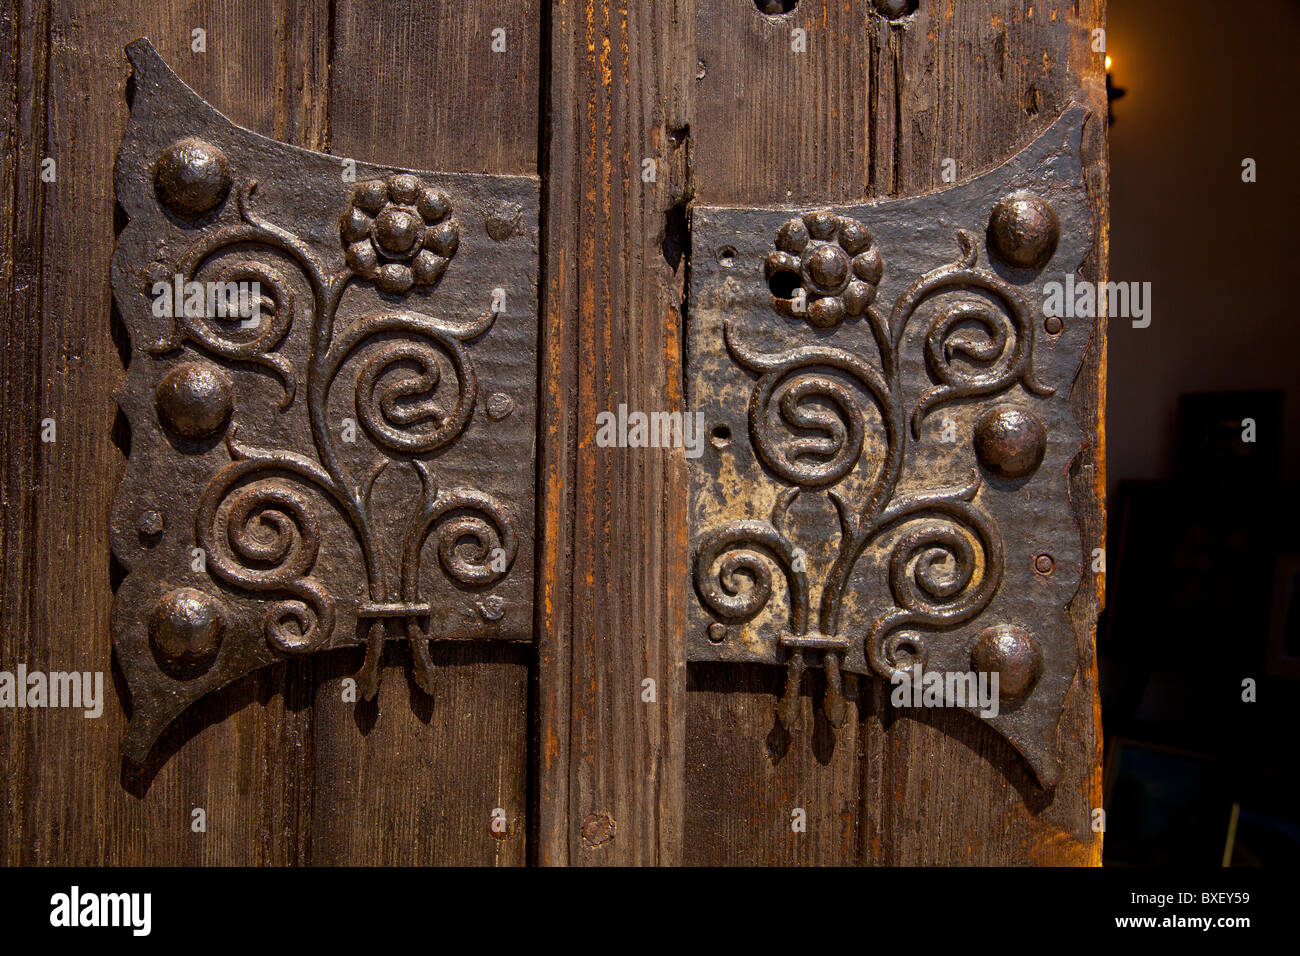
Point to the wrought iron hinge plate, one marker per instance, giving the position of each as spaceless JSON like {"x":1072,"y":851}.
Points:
{"x":885,"y":485}
{"x":331,"y":398}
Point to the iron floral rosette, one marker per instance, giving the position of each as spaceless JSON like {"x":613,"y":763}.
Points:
{"x":319,"y":467}
{"x":886,"y":488}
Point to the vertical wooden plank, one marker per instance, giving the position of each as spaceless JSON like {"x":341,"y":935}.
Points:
{"x":22,"y":58}
{"x":68,"y":798}
{"x":871,"y":110}
{"x":399,"y":782}
{"x":611,"y":609}
{"x":775,"y":125}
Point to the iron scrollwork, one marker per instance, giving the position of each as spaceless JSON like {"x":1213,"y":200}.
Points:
{"x":915,"y":557}
{"x":293,"y":459}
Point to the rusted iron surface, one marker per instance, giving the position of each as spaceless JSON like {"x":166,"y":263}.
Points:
{"x":886,"y":485}
{"x":352,"y":463}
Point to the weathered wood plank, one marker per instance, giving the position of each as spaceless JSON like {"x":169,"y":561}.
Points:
{"x":774,"y":126}
{"x":610,"y":608}
{"x":398,"y":782}
{"x":69,"y":799}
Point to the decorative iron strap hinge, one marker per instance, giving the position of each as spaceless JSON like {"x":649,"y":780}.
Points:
{"x":886,"y":486}
{"x":331,"y":398}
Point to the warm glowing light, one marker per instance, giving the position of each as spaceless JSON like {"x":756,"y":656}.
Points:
{"x":1107,"y":64}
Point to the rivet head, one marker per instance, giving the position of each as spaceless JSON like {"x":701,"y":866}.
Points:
{"x":717,"y":632}
{"x":191,"y":177}
{"x":828,"y":268}
{"x":499,"y":406}
{"x":504,"y":222}
{"x":492,"y":607}
{"x":1044,"y":563}
{"x":195,"y":400}
{"x":1010,"y":441}
{"x":396,"y":231}
{"x":1024,"y":230}
{"x":186,"y":627}
{"x":1012,"y":653}
{"x":149,"y":524}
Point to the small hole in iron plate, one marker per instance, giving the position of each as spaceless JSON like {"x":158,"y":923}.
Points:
{"x":775,"y":8}
{"x":783,"y":284}
{"x":727,"y":257}
{"x":720,"y":436}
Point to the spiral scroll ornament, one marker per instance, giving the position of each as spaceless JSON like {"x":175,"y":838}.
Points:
{"x":733,"y":571}
{"x":943,"y":571}
{"x":809,"y":411}
{"x":414,"y":392}
{"x":995,"y":355}
{"x":789,"y":422}
{"x":260,"y":532}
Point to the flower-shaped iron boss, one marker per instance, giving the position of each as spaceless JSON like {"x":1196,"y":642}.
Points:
{"x":825,"y":269}
{"x":399,"y":233}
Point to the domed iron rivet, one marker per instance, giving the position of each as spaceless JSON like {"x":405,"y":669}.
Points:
{"x":403,"y":188}
{"x":1012,"y":653}
{"x":397,"y":232}
{"x":1010,"y":441}
{"x":149,"y":524}
{"x":1052,"y":325}
{"x":499,"y":406}
{"x":828,"y":267}
{"x":186,"y":628}
{"x":1024,"y":230}
{"x":191,"y":178}
{"x":492,"y":608}
{"x":717,"y":632}
{"x":1044,"y":564}
{"x":501,"y":224}
{"x":195,"y":400}
{"x":821,"y":223}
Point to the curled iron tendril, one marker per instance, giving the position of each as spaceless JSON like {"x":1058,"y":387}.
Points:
{"x":807,"y":426}
{"x":255,"y":520}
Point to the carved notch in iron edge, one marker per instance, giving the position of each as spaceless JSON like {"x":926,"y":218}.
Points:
{"x":326,"y":372}
{"x":888,"y":489}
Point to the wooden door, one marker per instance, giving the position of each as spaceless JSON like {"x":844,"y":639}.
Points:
{"x":631,"y":116}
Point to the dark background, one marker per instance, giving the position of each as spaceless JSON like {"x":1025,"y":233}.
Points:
{"x":1203,"y":551}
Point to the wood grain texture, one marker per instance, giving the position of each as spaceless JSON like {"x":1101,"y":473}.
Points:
{"x":613,"y":520}
{"x":68,"y":798}
{"x":399,"y":781}
{"x":870,"y":111}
